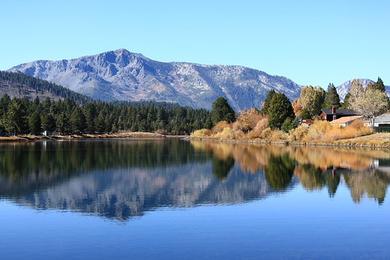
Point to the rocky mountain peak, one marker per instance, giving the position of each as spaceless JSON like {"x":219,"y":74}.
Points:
{"x":126,"y":76}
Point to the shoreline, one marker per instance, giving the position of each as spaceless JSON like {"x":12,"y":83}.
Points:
{"x":374,"y":141}
{"x":77,"y":137}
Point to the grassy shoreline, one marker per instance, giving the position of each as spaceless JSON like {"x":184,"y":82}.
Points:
{"x":376,"y":140}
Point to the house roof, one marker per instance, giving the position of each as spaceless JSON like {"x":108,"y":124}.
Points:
{"x":346,"y":119}
{"x":383,"y":118}
{"x":340,"y":112}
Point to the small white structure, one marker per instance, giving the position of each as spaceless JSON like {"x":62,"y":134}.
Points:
{"x":382,"y":120}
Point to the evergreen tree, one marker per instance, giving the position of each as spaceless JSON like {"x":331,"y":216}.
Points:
{"x":16,"y":118}
{"x":48,"y":123}
{"x":222,"y":111}
{"x":34,"y":123}
{"x":379,"y":85}
{"x":267,"y":102}
{"x":77,"y":121}
{"x":332,"y":98}
{"x":62,"y":124}
{"x":90,"y":114}
{"x":279,"y":110}
{"x":346,"y":101}
{"x":100,"y":123}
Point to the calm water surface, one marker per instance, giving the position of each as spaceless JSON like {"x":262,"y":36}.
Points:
{"x":124,"y":199}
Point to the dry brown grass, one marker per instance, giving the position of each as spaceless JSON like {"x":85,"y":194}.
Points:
{"x":251,"y":125}
{"x":323,"y":131}
{"x":375,"y":140}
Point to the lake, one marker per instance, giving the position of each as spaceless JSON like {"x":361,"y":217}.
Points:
{"x":173,"y":199}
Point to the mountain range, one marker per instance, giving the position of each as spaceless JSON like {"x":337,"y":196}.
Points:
{"x":343,"y":89}
{"x":126,"y":76}
{"x":121,"y":75}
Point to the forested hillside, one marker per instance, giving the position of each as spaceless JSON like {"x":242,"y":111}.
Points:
{"x":22,"y":116}
{"x":20,"y":85}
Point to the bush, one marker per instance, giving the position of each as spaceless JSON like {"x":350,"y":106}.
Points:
{"x":227,"y":133}
{"x":258,"y":129}
{"x":220,"y":126}
{"x":247,"y":120}
{"x":289,"y":124}
{"x":201,"y":133}
{"x":299,"y":133}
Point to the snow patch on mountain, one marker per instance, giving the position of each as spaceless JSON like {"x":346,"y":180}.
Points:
{"x":125,"y":76}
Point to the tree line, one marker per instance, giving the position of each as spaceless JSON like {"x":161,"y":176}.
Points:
{"x":369,"y":101}
{"x":23,"y":116}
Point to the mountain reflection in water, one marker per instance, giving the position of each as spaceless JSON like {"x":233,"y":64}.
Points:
{"x":123,"y":178}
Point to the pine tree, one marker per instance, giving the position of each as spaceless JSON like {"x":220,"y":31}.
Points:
{"x":77,"y":121}
{"x":380,"y":85}
{"x":62,"y":124}
{"x":16,"y":118}
{"x":346,"y":101}
{"x":279,"y":110}
{"x":48,"y":123}
{"x":34,"y":123}
{"x":100,"y":123}
{"x":90,"y":114}
{"x":222,"y":111}
{"x":332,"y":98}
{"x":267,"y":102}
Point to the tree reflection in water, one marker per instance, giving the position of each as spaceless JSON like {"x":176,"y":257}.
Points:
{"x":124,"y":178}
{"x":314,"y":167}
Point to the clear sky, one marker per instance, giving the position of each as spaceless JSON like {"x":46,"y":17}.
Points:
{"x":310,"y":42}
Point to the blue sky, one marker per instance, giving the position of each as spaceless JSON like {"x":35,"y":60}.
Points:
{"x":310,"y":42}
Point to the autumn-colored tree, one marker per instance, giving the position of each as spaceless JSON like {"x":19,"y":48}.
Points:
{"x":369,"y":102}
{"x":311,"y":99}
{"x":297,"y":107}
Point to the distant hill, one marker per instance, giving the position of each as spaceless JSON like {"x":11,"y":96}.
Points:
{"x":343,"y":89}
{"x":124,"y":76}
{"x":19,"y":85}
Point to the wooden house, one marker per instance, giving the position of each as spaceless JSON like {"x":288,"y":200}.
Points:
{"x":335,"y":113}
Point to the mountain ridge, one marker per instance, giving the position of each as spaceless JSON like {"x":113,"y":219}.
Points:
{"x":19,"y":85}
{"x":343,"y":88}
{"x":126,"y":76}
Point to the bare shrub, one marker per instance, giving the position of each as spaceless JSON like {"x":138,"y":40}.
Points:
{"x":299,"y":133}
{"x":226,"y":133}
{"x":247,"y":120}
{"x":201,"y":133}
{"x":258,"y":129}
{"x":220,"y":126}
